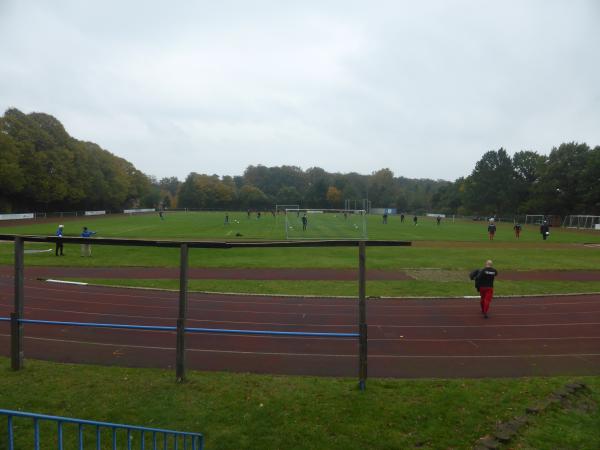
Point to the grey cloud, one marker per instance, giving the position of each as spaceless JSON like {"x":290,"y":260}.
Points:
{"x":423,"y":88}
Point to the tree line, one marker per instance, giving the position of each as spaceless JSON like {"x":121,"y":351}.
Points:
{"x":566,"y":181}
{"x":42,"y":168}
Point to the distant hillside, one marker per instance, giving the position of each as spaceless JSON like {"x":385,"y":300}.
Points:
{"x":43,"y":168}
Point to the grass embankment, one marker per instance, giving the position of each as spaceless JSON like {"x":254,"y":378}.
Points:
{"x":245,"y":411}
{"x":414,"y":288}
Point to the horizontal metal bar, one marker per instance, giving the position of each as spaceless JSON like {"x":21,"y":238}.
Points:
{"x":8,"y":412}
{"x":207,"y":244}
{"x":191,"y":329}
{"x":4,"y":319}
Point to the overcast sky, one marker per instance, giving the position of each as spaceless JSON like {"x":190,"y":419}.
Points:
{"x":423,"y":88}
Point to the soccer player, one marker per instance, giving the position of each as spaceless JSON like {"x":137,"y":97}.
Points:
{"x":86,"y":249}
{"x":304,"y":222}
{"x":402,"y":218}
{"x":385,"y":216}
{"x":545,"y":230}
{"x":485,"y":281}
{"x":415,"y":220}
{"x":161,"y":214}
{"x":438,"y":220}
{"x":226,"y":219}
{"x":491,"y":230}
{"x":517,"y":229}
{"x":59,"y":243}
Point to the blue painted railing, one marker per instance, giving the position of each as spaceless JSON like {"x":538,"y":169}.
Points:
{"x":191,"y":330}
{"x":158,"y":437}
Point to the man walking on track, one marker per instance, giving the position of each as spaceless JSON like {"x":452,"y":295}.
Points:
{"x":485,"y":281}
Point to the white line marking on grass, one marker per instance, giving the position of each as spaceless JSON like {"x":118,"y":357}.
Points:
{"x":78,"y":283}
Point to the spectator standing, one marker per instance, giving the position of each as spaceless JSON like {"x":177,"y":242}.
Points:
{"x":86,"y":249}
{"x":59,"y":242}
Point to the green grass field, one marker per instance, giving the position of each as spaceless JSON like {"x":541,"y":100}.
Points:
{"x":459,"y":246}
{"x":210,"y":225}
{"x":244,"y":411}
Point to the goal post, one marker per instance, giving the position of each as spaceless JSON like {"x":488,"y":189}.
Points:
{"x":582,"y":221}
{"x":282,"y":208}
{"x":318,"y":223}
{"x":534,"y":219}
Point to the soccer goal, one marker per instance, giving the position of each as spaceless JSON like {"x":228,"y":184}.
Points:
{"x":280,"y":209}
{"x":534,"y":219}
{"x":326,"y":224}
{"x":585,"y":222}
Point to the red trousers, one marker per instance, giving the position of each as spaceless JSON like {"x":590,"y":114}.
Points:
{"x":486,"y":294}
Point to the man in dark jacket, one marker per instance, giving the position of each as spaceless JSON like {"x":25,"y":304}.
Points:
{"x":59,"y":243}
{"x":545,"y":230}
{"x":485,"y":281}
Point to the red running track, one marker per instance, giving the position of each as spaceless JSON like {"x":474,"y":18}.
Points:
{"x":407,"y":338}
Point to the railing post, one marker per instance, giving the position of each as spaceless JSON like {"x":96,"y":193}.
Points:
{"x":181,"y":317}
{"x":16,"y":327}
{"x":362,"y":317}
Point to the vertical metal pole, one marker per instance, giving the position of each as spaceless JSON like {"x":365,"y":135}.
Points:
{"x":16,"y":328}
{"x":362,"y":317}
{"x":183,"y":288}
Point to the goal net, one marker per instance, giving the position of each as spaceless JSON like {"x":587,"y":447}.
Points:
{"x":280,"y":209}
{"x":582,"y":222}
{"x":326,"y":224}
{"x":534,"y":219}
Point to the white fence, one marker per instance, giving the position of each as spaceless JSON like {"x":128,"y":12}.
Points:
{"x":142,"y":210}
{"x":17,"y":216}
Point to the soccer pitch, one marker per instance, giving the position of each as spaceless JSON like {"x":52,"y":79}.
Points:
{"x":240,"y":226}
{"x":453,"y":247}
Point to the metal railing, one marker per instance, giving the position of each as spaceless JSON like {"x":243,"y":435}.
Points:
{"x":17,"y":318}
{"x":119,"y":433}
